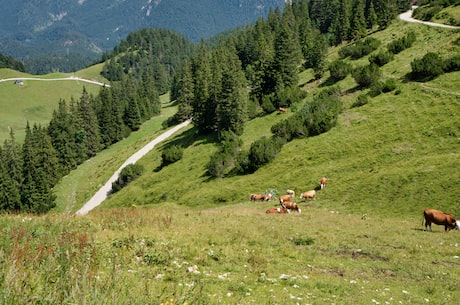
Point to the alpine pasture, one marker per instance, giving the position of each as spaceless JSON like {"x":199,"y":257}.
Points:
{"x":177,"y":236}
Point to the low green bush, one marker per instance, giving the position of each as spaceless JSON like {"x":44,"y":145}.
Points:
{"x":129,"y":173}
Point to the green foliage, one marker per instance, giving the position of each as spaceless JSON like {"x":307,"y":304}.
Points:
{"x":359,"y":49}
{"x":367,"y":75}
{"x":263,"y":151}
{"x":428,"y":67}
{"x":171,"y":154}
{"x":10,"y":63}
{"x":129,"y":173}
{"x":452,"y":64}
{"x":339,"y":69}
{"x":361,"y":100}
{"x":381,"y":58}
{"x":402,"y":43}
{"x":227,"y":156}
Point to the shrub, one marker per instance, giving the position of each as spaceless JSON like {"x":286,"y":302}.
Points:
{"x":263,"y":151}
{"x":381,"y":58}
{"x":339,"y":70}
{"x":171,"y":154}
{"x":402,"y":43}
{"x":360,"y":48}
{"x":428,"y":67}
{"x":127,"y":174}
{"x":365,"y":76}
{"x":267,"y":104}
{"x":225,"y":157}
{"x":290,"y":128}
{"x":452,"y":64}
{"x":361,"y":100}
{"x":289,"y":96}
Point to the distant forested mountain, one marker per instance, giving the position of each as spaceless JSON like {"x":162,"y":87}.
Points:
{"x":69,"y":34}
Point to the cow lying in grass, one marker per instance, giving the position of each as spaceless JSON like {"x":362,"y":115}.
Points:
{"x":261,"y":197}
{"x":277,"y":211}
{"x":440,"y":218}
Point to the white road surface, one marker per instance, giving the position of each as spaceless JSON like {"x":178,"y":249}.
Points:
{"x":104,"y":191}
{"x":72,"y":78}
{"x":407,"y":16}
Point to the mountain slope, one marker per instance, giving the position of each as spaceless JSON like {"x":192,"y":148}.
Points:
{"x":397,"y":153}
{"x":32,"y":28}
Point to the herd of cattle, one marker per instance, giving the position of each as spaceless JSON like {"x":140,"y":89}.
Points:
{"x":287,"y":205}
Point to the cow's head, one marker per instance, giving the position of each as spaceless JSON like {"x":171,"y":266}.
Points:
{"x":457,"y":224}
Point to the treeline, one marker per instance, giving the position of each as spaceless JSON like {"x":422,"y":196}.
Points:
{"x":159,"y":51}
{"x":78,"y":130}
{"x":10,"y":63}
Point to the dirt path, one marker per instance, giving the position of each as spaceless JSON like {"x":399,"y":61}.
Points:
{"x":407,"y":16}
{"x":104,"y":191}
{"x":72,"y":78}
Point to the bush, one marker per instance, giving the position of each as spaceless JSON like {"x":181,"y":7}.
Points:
{"x":267,"y":104}
{"x":381,"y":58}
{"x":127,"y":174}
{"x":289,"y":96}
{"x":290,"y":128}
{"x":171,"y":154}
{"x":360,"y":48}
{"x":402,"y":43}
{"x":452,"y":64}
{"x":339,"y":70}
{"x":263,"y":151}
{"x":225,"y":157}
{"x":428,"y":67}
{"x":361,"y":100}
{"x":365,"y":76}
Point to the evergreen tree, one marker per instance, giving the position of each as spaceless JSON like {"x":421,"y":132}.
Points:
{"x":40,"y":171}
{"x":185,"y":93}
{"x":10,"y":175}
{"x":340,"y":26}
{"x":89,"y":128}
{"x":371,"y":15}
{"x":202,"y":76}
{"x":61,"y":129}
{"x":232,"y":100}
{"x":358,"y":23}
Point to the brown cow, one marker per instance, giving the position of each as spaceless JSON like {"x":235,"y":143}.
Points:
{"x":322,"y":183}
{"x":291,"y":206}
{"x":440,"y":218}
{"x":310,"y":194}
{"x":262,"y":197}
{"x":277,"y":211}
{"x":285,"y":198}
{"x":282,"y":109}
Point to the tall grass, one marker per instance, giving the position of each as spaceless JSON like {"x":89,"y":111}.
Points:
{"x":229,"y":255}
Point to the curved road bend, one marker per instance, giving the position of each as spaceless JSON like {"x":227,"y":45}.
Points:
{"x":104,"y":191}
{"x":407,"y":16}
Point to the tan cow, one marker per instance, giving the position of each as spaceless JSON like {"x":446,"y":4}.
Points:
{"x":261,"y":197}
{"x":440,"y":218}
{"x":277,"y":211}
{"x":310,"y":194}
{"x":285,"y":198}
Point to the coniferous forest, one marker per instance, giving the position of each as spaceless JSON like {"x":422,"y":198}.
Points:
{"x":221,"y":84}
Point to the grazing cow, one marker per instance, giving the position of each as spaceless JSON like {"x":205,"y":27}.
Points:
{"x":322,"y":183}
{"x":458,"y":224}
{"x":282,"y":110}
{"x":277,"y":211}
{"x":291,"y":206}
{"x":291,"y":192}
{"x":261,"y":197}
{"x":285,"y":198}
{"x":440,"y":218}
{"x":310,"y":194}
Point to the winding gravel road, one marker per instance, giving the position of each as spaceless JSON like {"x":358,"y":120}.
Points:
{"x":72,"y":78}
{"x":104,"y":191}
{"x":407,"y":16}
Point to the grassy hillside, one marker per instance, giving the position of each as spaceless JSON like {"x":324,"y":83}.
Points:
{"x":175,"y":236}
{"x":400,"y":151}
{"x":35,"y":101}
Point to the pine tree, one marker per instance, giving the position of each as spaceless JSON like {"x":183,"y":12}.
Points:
{"x":10,"y":175}
{"x":89,"y":125}
{"x":358,"y":24}
{"x":185,"y":93}
{"x":61,"y":129}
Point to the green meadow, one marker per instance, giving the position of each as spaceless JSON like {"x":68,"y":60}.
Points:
{"x":34,"y":101}
{"x":177,"y":236}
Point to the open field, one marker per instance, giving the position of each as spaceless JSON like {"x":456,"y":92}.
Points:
{"x":230,"y":255}
{"x":35,"y":101}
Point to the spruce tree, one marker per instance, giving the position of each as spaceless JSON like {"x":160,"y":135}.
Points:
{"x":89,"y":125}
{"x":358,"y":23}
